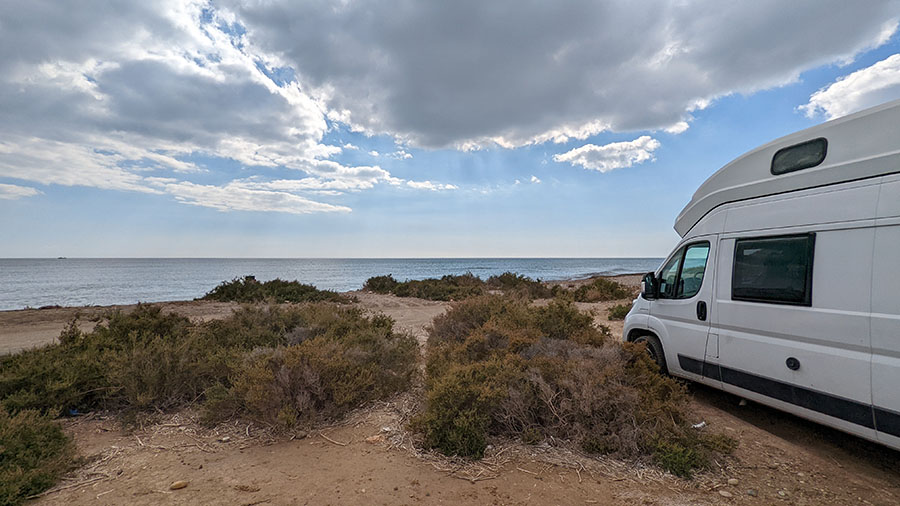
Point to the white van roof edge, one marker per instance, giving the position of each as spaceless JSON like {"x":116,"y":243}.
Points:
{"x":860,"y":145}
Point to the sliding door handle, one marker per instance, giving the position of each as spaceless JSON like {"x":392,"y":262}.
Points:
{"x":701,"y":311}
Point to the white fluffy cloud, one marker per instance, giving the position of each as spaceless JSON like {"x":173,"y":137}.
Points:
{"x":115,"y":95}
{"x":12,"y":191}
{"x":611,"y":156}
{"x":864,"y":88}
{"x":471,"y":73}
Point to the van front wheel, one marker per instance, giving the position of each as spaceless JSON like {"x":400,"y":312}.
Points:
{"x":655,"y":350}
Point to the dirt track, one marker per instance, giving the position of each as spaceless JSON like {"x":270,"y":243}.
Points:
{"x":780,"y":459}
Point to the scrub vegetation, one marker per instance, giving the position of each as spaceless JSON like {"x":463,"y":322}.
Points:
{"x":248,"y":289}
{"x":618,"y":311}
{"x":281,"y":366}
{"x":455,"y":288}
{"x":34,"y":453}
{"x":498,"y":366}
{"x":601,"y":290}
{"x":146,"y":360}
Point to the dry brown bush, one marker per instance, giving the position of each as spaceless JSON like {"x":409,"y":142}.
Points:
{"x":500,"y":366}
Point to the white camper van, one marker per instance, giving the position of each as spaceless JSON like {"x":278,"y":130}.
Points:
{"x":785,"y":286}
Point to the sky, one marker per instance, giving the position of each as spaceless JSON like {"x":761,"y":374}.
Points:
{"x":276,"y":128}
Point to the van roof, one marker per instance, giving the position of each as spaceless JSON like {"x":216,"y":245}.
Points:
{"x":861,"y":145}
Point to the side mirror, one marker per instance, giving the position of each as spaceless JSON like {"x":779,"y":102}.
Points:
{"x":649,"y":286}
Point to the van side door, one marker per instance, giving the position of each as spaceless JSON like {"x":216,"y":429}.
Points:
{"x":680,"y":316}
{"x":793,"y":322}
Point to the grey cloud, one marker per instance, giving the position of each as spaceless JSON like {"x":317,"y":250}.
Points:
{"x":451,"y":73}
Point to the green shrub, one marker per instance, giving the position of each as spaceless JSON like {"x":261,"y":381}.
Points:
{"x":138,"y":359}
{"x":618,"y":311}
{"x":34,"y":453}
{"x":511,"y":283}
{"x":147,"y":360}
{"x":381,"y":284}
{"x":336,"y":367}
{"x":456,"y":288}
{"x":499,"y":366}
{"x":601,"y":290}
{"x":446,"y":288}
{"x":280,"y":365}
{"x":248,"y":289}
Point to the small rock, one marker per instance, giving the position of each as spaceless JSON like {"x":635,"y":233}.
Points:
{"x":801,"y":475}
{"x":752,"y":492}
{"x":224,"y":439}
{"x":782,"y":493}
{"x":725,"y":493}
{"x":178,"y":485}
{"x":377,"y":438}
{"x":743,"y":402}
{"x":733,"y":481}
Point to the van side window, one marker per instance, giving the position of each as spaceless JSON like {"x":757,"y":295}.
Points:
{"x":668,"y":276}
{"x":692,"y":270}
{"x":776,"y":270}
{"x":799,"y":156}
{"x":682,"y":276}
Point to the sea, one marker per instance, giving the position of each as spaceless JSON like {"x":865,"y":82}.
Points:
{"x":37,"y":282}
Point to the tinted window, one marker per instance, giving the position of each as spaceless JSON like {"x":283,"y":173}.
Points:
{"x":668,"y":276}
{"x":692,"y":270}
{"x":799,"y":156}
{"x":774,"y":269}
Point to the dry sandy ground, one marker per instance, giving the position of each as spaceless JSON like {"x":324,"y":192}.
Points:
{"x":370,"y":459}
{"x":28,"y":328}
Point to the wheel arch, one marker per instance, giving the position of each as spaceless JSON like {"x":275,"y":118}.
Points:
{"x":636,"y":333}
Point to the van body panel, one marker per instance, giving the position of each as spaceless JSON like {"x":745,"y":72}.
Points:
{"x":829,"y":339}
{"x":852,"y":202}
{"x":886,"y":327}
{"x":860,"y":146}
{"x":889,"y":198}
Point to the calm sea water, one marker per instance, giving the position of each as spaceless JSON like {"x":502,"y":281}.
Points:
{"x":105,"y":281}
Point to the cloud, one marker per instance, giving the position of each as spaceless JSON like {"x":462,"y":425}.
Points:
{"x":120,"y":107}
{"x":13,"y":192}
{"x":611,"y":156}
{"x":471,"y":74}
{"x":235,"y":197}
{"x":535,"y":180}
{"x":147,"y":96}
{"x":428,"y":185}
{"x":854,"y":92}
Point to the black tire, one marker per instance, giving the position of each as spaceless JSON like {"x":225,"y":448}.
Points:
{"x":655,"y":350}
